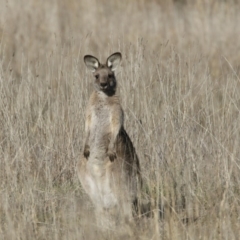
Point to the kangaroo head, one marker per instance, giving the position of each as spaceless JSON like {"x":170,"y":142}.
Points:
{"x":105,"y":80}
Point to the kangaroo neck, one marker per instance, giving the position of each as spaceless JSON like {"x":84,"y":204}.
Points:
{"x":106,"y":94}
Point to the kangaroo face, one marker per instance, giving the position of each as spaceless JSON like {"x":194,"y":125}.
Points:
{"x":105,"y":80}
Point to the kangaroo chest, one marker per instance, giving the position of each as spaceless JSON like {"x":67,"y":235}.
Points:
{"x":100,"y":128}
{"x":101,"y":117}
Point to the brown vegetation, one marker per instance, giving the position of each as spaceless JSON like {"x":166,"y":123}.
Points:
{"x":179,"y":84}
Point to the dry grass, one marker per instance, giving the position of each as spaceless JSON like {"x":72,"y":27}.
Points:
{"x":180,"y":88}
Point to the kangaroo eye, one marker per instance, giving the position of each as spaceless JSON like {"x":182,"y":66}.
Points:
{"x":110,"y":75}
{"x":97,"y":76}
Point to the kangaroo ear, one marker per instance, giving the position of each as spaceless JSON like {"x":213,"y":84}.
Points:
{"x":91,"y":62}
{"x":114,"y":60}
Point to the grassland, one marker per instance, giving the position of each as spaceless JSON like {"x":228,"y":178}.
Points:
{"x":180,"y":88}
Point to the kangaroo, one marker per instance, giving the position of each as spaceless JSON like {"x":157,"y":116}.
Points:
{"x":109,"y":168}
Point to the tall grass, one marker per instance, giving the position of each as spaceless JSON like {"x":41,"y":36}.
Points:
{"x":180,"y":88}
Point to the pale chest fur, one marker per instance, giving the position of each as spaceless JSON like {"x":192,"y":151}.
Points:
{"x":100,"y":109}
{"x":100,"y":117}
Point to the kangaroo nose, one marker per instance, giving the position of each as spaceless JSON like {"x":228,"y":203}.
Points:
{"x":103,"y":84}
